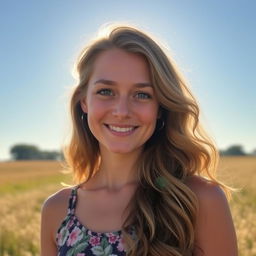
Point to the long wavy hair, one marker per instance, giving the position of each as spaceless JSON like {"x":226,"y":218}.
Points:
{"x":164,"y":212}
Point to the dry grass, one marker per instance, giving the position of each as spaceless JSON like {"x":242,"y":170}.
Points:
{"x":241,"y":173}
{"x":25,"y":185}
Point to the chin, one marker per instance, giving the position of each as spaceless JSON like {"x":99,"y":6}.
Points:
{"x":122,"y":150}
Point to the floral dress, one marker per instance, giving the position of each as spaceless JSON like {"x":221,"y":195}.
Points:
{"x":74,"y":239}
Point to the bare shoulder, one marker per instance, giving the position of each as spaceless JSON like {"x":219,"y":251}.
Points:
{"x":213,"y":204}
{"x":206,"y":190}
{"x":54,"y":210}
{"x":215,"y":233}
{"x":57,"y":200}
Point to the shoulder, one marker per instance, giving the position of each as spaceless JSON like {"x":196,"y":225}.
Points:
{"x":206,"y":191}
{"x":56,"y":205}
{"x":214,"y":231}
{"x":54,"y":210}
{"x":58,"y":199}
{"x":212,"y":201}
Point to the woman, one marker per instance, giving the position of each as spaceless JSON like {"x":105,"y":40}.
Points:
{"x":144,"y":168}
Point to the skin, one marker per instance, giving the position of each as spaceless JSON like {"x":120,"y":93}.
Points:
{"x":215,"y":233}
{"x":119,"y":94}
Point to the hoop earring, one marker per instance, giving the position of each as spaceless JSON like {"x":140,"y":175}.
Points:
{"x":162,"y":125}
{"x":83,"y":116}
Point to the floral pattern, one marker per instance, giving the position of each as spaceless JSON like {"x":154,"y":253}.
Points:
{"x":74,"y":239}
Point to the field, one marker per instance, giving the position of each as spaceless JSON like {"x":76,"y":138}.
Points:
{"x":25,"y":185}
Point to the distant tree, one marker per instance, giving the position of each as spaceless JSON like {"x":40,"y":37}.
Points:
{"x":31,"y":152}
{"x":254,"y":152}
{"x":62,"y":157}
{"x":50,"y":155}
{"x":234,"y":150}
{"x":25,"y":152}
{"x":222,"y":152}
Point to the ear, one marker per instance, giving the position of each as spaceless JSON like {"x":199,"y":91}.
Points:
{"x":83,"y":105}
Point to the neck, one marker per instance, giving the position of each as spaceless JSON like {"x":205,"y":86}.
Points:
{"x":117,"y":170}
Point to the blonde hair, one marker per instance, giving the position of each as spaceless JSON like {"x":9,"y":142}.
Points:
{"x":164,"y":212}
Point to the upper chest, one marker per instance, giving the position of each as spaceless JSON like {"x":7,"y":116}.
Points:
{"x":103,"y":211}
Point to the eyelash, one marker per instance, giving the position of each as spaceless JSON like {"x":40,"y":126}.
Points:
{"x":108,"y":92}
{"x":104,"y":90}
{"x":148,"y":96}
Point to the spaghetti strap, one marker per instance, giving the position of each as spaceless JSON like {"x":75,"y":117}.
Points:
{"x":73,"y":238}
{"x":72,"y":201}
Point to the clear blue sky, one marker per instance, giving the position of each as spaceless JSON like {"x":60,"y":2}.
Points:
{"x":214,"y":43}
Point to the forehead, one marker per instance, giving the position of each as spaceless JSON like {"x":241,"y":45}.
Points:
{"x":119,"y":65}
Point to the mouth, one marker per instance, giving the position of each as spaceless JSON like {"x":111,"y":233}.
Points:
{"x":124,"y":129}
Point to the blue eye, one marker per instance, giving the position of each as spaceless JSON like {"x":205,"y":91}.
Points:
{"x":106,"y":92}
{"x":143,"y":95}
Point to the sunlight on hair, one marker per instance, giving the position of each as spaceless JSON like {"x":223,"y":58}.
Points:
{"x":181,"y":149}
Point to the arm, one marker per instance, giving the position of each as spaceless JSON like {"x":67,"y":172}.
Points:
{"x":215,"y":232}
{"x":54,"y":211}
{"x":48,"y":246}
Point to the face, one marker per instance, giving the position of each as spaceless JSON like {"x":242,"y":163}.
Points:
{"x":120,"y":102}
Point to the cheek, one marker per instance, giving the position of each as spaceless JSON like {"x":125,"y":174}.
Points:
{"x":97,"y":111}
{"x":149,"y":115}
{"x":96,"y":107}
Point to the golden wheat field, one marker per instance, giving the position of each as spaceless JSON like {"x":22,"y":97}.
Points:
{"x":25,"y":185}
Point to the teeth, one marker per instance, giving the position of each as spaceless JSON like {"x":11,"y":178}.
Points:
{"x":119,"y":129}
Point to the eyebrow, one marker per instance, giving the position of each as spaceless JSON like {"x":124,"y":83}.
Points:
{"x":110,"y":82}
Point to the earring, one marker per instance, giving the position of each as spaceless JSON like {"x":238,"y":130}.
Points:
{"x":83,"y":116}
{"x":162,"y":125}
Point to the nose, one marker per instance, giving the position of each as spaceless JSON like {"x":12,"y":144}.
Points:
{"x":121,"y":108}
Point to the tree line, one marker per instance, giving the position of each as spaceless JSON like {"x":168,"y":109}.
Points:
{"x":236,"y":150}
{"x":32,"y":152}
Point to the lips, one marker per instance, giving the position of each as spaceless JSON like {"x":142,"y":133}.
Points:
{"x":121,"y":129}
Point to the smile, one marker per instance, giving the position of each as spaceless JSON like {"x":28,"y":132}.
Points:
{"x":122,"y":130}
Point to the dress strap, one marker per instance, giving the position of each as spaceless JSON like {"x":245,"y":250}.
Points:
{"x":72,"y":201}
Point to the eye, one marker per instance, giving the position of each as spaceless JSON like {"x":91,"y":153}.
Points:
{"x":105,"y":92}
{"x":143,"y":95}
